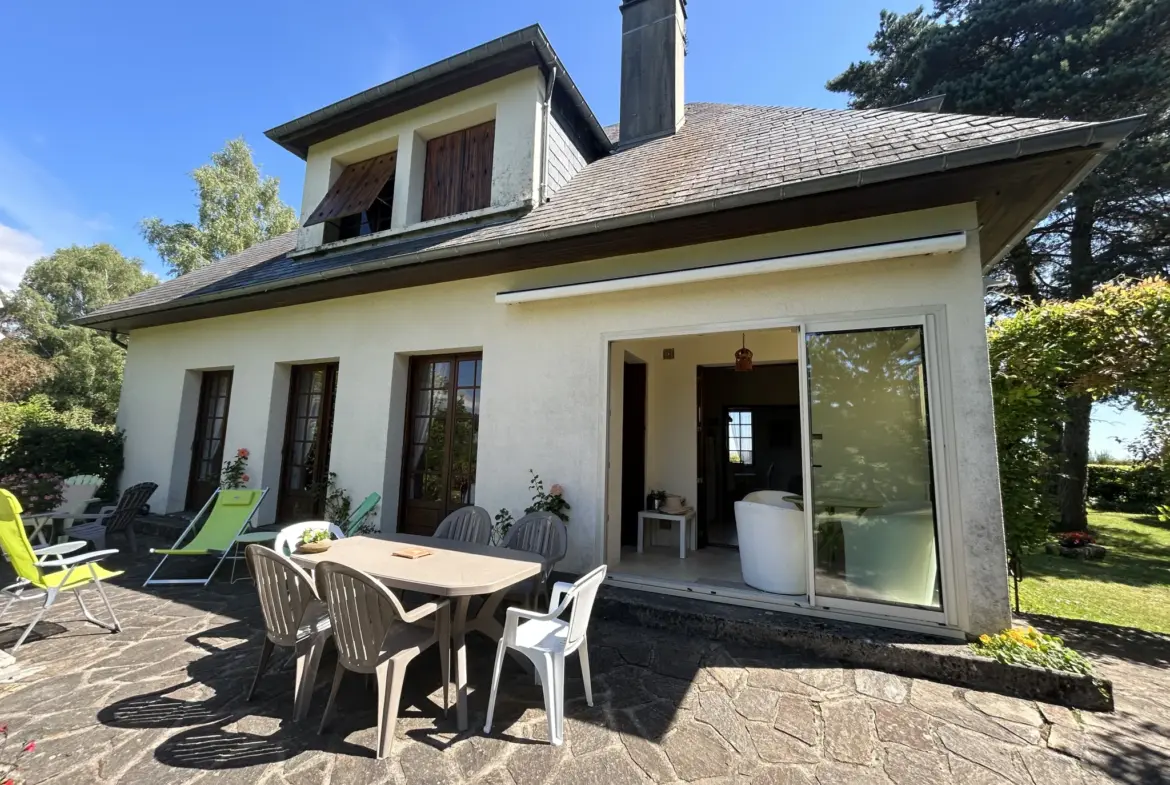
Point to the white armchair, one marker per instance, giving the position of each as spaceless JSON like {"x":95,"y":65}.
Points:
{"x":772,"y":543}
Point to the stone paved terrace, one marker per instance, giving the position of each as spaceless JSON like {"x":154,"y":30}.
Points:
{"x":161,"y":704}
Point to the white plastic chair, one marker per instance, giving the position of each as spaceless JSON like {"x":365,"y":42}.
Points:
{"x":289,"y":537}
{"x":546,"y":640}
{"x":76,"y":494}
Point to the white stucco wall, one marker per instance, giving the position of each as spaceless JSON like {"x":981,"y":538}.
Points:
{"x":513,"y":101}
{"x":545,"y":376}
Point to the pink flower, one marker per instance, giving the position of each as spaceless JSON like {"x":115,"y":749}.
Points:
{"x":556,"y":490}
{"x":244,"y":478}
{"x":4,"y":728}
{"x":32,"y":745}
{"x":242,"y":452}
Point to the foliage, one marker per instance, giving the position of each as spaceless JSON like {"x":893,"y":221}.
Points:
{"x":37,"y":437}
{"x":238,"y":208}
{"x":1077,"y":539}
{"x":1129,"y":587}
{"x":235,"y":471}
{"x":504,"y":522}
{"x":1061,"y":60}
{"x":1127,"y":487}
{"x":314,"y":535}
{"x":336,"y":500}
{"x":1163,"y":511}
{"x":658,"y":495}
{"x":9,"y":768}
{"x":1027,"y":647}
{"x":21,"y":371}
{"x":37,"y":492}
{"x":1112,"y":345}
{"x":86,"y":367}
{"x":553,"y":501}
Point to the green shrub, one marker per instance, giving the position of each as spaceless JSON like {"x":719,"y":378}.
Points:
{"x":1127,"y":487}
{"x":66,"y":451}
{"x":1027,"y":647}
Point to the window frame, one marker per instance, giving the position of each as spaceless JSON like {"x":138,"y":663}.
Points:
{"x":735,"y":443}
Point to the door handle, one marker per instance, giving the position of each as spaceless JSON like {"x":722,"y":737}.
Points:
{"x":817,"y":466}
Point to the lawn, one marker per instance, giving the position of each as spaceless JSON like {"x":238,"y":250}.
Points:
{"x":1130,"y":587}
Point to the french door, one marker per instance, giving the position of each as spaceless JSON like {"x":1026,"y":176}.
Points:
{"x":872,"y":498}
{"x":442,"y":439}
{"x":215,"y":393}
{"x":308,"y":433}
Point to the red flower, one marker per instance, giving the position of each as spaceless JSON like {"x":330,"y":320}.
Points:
{"x":29,"y":747}
{"x":242,"y":452}
{"x":244,"y":478}
{"x":4,"y":728}
{"x":8,"y":781}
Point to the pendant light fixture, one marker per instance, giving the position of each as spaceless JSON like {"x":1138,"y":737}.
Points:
{"x":743,"y":357}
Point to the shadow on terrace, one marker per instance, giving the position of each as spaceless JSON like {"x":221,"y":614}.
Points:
{"x":163,"y":701}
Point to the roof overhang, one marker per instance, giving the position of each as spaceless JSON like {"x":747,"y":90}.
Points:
{"x":505,"y":55}
{"x":1014,"y":185}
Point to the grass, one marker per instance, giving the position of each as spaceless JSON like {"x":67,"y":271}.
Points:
{"x":1130,"y":586}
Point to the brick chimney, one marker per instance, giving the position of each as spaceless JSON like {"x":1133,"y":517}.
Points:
{"x":653,"y":48}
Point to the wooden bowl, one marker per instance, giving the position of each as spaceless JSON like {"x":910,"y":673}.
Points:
{"x":314,"y":547}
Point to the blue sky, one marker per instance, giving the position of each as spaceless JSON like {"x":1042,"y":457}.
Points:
{"x":108,"y":106}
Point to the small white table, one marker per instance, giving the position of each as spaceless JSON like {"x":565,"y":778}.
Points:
{"x":683,"y":522}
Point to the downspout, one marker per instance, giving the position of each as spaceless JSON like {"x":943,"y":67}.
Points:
{"x":548,"y":91}
{"x":114,"y":338}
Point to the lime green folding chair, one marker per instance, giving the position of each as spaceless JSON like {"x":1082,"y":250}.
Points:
{"x":225,"y":517}
{"x":45,"y":573}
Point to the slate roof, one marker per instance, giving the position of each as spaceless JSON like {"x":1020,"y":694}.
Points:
{"x":722,"y":152}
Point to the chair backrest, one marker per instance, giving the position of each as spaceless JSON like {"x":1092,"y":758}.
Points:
{"x":469,"y":524}
{"x":14,"y":539}
{"x":584,"y":592}
{"x":285,"y":592}
{"x":290,"y":536}
{"x":128,"y":506}
{"x":77,"y":493}
{"x":230,"y":514}
{"x":781,"y":499}
{"x":361,"y":611}
{"x":539,"y":532}
{"x":358,"y":517}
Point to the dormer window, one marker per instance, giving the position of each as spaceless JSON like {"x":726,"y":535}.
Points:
{"x":458,"y":173}
{"x":360,"y":201}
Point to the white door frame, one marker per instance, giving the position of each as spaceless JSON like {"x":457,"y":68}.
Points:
{"x":933,"y":320}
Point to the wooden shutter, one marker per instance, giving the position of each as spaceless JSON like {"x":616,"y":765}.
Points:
{"x":477,"y":167}
{"x":458,"y":172}
{"x":356,"y":189}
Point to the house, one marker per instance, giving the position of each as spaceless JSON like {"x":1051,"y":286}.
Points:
{"x":487,"y":282}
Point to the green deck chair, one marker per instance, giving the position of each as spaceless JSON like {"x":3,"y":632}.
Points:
{"x":230,"y":513}
{"x":355,"y":521}
{"x":45,"y":573}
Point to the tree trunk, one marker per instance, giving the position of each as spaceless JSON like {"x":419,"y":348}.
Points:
{"x":1022,"y":263}
{"x":1075,"y":443}
{"x":1074,"y":481}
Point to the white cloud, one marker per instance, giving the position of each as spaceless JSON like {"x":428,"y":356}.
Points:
{"x":41,"y":204}
{"x":17,"y":251}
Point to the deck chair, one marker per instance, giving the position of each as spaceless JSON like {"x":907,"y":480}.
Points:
{"x":48,"y":572}
{"x":225,"y":516}
{"x":354,"y":522}
{"x":116,"y":519}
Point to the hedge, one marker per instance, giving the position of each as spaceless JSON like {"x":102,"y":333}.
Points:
{"x":1127,"y":487}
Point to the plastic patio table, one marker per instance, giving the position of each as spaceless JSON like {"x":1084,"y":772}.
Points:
{"x":456,"y":570}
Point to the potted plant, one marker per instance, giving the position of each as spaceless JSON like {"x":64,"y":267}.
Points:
{"x":656,"y":499}
{"x":314,"y":541}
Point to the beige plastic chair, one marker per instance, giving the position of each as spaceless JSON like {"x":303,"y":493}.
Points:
{"x":469,"y":524}
{"x":294,"y":617}
{"x":375,"y":634}
{"x":542,"y":533}
{"x":546,"y":640}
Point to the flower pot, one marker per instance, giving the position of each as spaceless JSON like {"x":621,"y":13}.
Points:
{"x":314,"y":547}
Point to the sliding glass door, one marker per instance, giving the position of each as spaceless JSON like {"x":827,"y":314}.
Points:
{"x":874,"y":502}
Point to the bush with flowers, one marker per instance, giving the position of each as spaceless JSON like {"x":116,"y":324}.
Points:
{"x":9,"y":767}
{"x":37,"y":491}
{"x":1077,"y":540}
{"x":552,"y":500}
{"x":1026,"y":646}
{"x":235,"y":471}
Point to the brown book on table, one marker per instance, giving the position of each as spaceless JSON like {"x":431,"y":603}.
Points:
{"x":413,"y":552}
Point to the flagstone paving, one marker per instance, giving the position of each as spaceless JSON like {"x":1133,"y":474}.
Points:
{"x":161,"y":703}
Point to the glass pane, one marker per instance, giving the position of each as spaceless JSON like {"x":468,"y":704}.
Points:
{"x":872,"y":483}
{"x":318,"y":381}
{"x":478,"y":373}
{"x":442,"y":375}
{"x":422,"y":403}
{"x":466,"y":376}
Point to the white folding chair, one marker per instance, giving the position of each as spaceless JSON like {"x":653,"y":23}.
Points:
{"x":545,"y":639}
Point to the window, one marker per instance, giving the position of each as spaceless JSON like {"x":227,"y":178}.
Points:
{"x":360,"y":201}
{"x":458,"y":174}
{"x":739,"y":436}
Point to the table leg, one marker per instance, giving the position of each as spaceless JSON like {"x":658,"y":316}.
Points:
{"x":682,"y":537}
{"x":641,"y":520}
{"x":693,"y":523}
{"x":459,"y":640}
